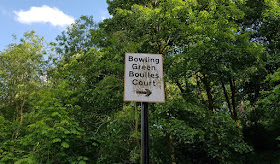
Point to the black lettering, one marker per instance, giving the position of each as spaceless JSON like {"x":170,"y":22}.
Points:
{"x":144,"y":60}
{"x":134,"y":82}
{"x":154,"y":83}
{"x":141,"y":59}
{"x":131,"y":73}
{"x":134,"y":66}
{"x":157,"y":61}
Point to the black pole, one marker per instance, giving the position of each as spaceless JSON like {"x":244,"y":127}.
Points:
{"x":144,"y":133}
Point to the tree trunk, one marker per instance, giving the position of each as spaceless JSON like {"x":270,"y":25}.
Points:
{"x":233,"y":94}
{"x":208,"y":91}
{"x":183,"y":91}
{"x":171,"y":148}
{"x":227,"y":99}
{"x":200,"y":92}
{"x":21,"y":110}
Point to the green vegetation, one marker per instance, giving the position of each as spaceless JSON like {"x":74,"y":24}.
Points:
{"x":63,"y":102}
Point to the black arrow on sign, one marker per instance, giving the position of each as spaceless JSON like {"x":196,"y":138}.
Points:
{"x":147,"y":92}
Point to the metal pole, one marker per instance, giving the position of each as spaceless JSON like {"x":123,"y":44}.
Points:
{"x":144,"y":133}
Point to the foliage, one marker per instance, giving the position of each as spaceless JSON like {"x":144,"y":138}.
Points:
{"x":219,"y":107}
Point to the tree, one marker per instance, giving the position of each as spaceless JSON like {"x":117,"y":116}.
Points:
{"x":38,"y":120}
{"x":21,"y":67}
{"x":203,"y":48}
{"x":21,"y":75}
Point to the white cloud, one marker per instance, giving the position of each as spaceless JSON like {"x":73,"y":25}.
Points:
{"x":44,"y":14}
{"x":103,"y":17}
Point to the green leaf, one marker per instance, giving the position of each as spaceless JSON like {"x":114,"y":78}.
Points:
{"x":54,"y":114}
{"x":82,"y":162}
{"x":56,"y":140}
{"x":65,"y":144}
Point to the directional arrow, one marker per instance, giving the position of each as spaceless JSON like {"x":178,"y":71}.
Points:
{"x":147,"y":92}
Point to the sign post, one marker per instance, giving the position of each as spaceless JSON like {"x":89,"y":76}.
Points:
{"x":143,"y":82}
{"x":144,"y":133}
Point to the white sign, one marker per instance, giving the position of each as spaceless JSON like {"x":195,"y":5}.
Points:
{"x":143,"y":79}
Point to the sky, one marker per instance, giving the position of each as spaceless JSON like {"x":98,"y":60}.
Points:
{"x":47,"y":17}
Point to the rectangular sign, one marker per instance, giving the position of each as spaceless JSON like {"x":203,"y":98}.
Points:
{"x":143,"y":79}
